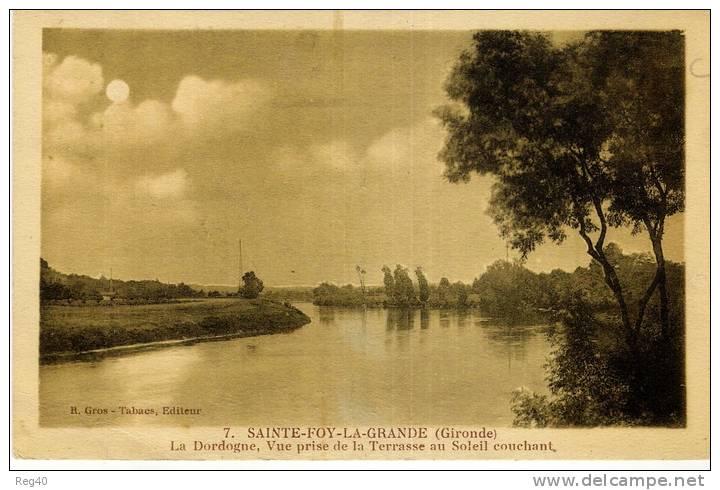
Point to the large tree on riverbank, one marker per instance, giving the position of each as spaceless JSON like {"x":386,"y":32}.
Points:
{"x":582,"y":137}
{"x":252,"y":286}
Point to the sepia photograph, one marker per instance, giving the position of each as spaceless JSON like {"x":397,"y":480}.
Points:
{"x":415,"y":240}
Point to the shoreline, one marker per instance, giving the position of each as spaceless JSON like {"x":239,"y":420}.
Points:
{"x":69,"y":333}
{"x":529,"y":316}
{"x":117,"y":350}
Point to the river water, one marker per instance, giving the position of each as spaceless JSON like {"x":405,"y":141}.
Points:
{"x":348,"y":367}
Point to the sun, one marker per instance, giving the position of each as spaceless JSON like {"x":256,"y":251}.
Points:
{"x":117,"y":91}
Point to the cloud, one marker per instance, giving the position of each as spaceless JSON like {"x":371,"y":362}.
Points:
{"x":118,"y":163}
{"x":337,"y":155}
{"x":208,"y":163}
{"x":409,"y":151}
{"x":58,"y":111}
{"x":216,"y":104}
{"x":140,"y":152}
{"x":126,"y":126}
{"x":387,"y":202}
{"x":58,"y":173}
{"x":171,"y":185}
{"x":401,"y":157}
{"x":201,"y":111}
{"x":67,"y":85}
{"x":153,"y":201}
{"x":73,"y":80}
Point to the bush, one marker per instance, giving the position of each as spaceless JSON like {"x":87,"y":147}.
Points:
{"x":252,"y":286}
{"x":327,"y":294}
{"x":596,"y":379}
{"x":530,"y":409}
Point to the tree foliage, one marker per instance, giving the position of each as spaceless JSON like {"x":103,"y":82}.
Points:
{"x":327,"y":294}
{"x":460,"y":291}
{"x":508,"y":290}
{"x":443,"y":291}
{"x":423,"y":286}
{"x":580,"y":137}
{"x":389,"y":282}
{"x":593,"y":381}
{"x":404,"y":292}
{"x":586,"y":389}
{"x":56,"y":286}
{"x":252,"y":286}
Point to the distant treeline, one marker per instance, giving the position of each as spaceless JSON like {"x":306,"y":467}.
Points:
{"x":290,"y":293}
{"x":56,"y":286}
{"x":399,"y":291}
{"x":506,"y":289}
{"x":73,"y":288}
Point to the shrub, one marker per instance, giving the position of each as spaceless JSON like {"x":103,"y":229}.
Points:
{"x":596,"y":379}
{"x":252,"y":286}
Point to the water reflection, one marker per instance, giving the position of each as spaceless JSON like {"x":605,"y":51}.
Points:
{"x":444,"y":318}
{"x":326,"y":315}
{"x":400,"y":319}
{"x":347,"y":367}
{"x":363,"y":318}
{"x":462,"y":316}
{"x":424,"y":319}
{"x":516,"y":334}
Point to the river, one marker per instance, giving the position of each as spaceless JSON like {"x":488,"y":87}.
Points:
{"x":348,"y":367}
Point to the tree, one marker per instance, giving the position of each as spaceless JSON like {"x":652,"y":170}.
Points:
{"x":423,"y":286}
{"x":642,"y":76}
{"x":507,"y":289}
{"x":389,"y":282}
{"x":404,"y":289}
{"x":53,"y":291}
{"x":558,"y":129}
{"x":586,"y":388}
{"x":252,"y":286}
{"x":182,"y":290}
{"x":327,"y":294}
{"x":444,"y":291}
{"x":361,"y":276}
{"x":461,"y":294}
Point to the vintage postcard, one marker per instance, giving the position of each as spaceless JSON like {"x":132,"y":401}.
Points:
{"x":360,"y":235}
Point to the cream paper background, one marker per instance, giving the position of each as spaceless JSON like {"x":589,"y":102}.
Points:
{"x":32,"y":441}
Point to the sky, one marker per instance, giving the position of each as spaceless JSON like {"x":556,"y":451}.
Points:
{"x":317,"y":148}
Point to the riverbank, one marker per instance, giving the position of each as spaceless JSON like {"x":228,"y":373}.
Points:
{"x":70,"y":331}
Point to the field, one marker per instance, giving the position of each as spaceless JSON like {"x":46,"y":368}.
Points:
{"x":76,"y":329}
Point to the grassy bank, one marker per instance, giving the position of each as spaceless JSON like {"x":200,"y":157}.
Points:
{"x":76,"y":329}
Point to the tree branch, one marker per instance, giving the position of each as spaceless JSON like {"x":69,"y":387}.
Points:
{"x":658,"y":184}
{"x":589,"y":178}
{"x":590,"y":248}
{"x":599,"y":244}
